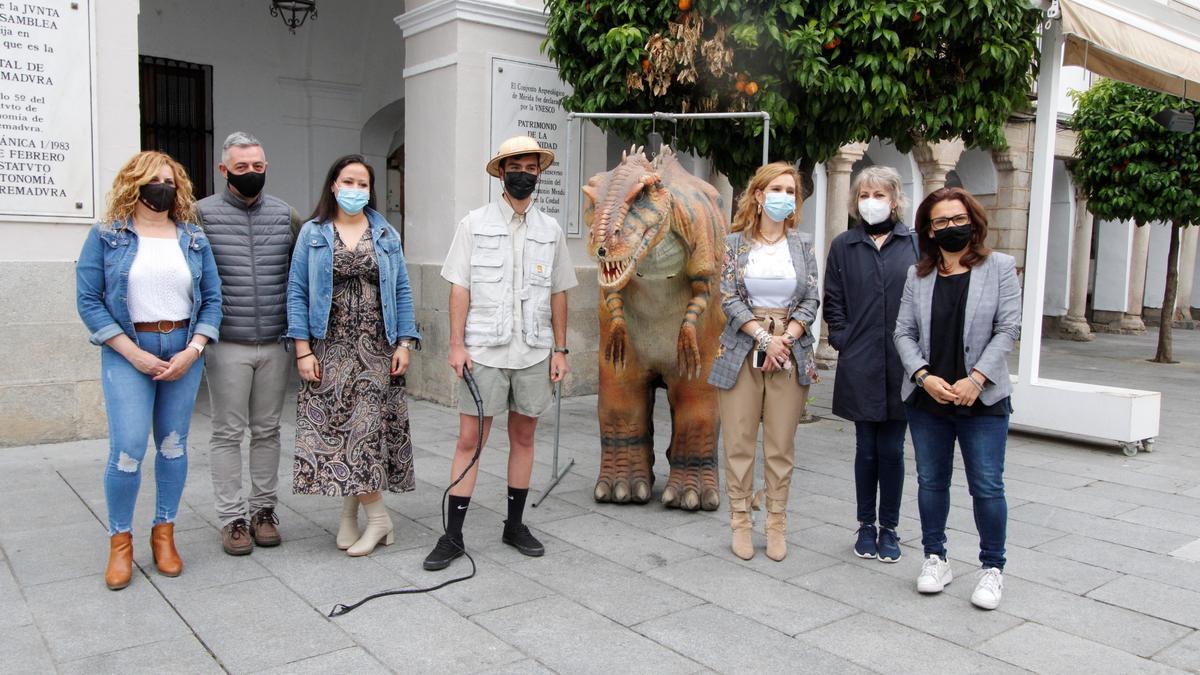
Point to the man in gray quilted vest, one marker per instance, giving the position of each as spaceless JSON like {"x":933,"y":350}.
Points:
{"x":251,"y":234}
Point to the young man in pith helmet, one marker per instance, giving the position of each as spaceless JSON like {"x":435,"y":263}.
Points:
{"x":509,"y":272}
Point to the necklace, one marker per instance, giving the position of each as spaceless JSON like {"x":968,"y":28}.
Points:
{"x":772,"y":242}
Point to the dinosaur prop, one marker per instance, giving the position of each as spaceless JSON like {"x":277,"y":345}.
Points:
{"x":657,"y":235}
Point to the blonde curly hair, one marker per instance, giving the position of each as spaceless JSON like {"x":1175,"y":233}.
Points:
{"x":140,"y":170}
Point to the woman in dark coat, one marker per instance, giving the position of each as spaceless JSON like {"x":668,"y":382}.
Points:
{"x":864,"y":281}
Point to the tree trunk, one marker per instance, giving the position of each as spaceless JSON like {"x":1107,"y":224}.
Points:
{"x":1167,"y":318}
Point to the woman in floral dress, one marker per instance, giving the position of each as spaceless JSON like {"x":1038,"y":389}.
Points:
{"x":350,"y":313}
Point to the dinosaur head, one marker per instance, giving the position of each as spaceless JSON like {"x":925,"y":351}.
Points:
{"x":628,"y":211}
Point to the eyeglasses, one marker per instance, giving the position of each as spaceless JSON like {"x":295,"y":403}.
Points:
{"x":943,"y":223}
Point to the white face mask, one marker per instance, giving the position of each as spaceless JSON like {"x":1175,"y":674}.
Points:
{"x":874,"y":211}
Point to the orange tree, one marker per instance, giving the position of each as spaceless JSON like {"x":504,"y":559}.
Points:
{"x":1131,"y":168}
{"x":828,"y":71}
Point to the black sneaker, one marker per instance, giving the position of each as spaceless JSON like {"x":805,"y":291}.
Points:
{"x":888,"y":545}
{"x":866,"y":546}
{"x":448,"y":548}
{"x":520,"y":538}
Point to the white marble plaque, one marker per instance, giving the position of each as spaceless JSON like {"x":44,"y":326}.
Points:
{"x":526,"y":100}
{"x":47,"y":166}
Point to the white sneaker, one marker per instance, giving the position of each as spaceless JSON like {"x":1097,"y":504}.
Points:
{"x":935,"y":575}
{"x":989,"y":589}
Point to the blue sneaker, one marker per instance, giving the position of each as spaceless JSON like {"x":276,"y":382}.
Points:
{"x":865,"y":546}
{"x":889,"y":545}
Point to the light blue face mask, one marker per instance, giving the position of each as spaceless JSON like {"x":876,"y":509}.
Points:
{"x":779,"y":205}
{"x":351,"y":200}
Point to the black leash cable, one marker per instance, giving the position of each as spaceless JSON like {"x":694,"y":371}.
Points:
{"x":342,"y":609}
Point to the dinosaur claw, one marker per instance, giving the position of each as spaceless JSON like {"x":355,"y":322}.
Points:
{"x":670,"y":497}
{"x":710,"y":500}
{"x":690,"y":501}
{"x":602,"y":492}
{"x":641,"y":491}
{"x":620,"y":493}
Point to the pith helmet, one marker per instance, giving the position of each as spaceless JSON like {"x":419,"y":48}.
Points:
{"x":515,"y":147}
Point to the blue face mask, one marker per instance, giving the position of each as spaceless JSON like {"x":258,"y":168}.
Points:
{"x":351,"y":200}
{"x":779,"y":205}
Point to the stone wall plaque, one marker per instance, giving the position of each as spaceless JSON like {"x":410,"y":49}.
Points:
{"x":47,"y":115}
{"x":526,"y":99}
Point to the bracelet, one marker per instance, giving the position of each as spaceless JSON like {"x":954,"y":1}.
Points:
{"x":762,"y":337}
{"x":977,"y":385}
{"x":304,"y":356}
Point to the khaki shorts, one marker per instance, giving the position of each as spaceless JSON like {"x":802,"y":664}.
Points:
{"x":526,"y":391}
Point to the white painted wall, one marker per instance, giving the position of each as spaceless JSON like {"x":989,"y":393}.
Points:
{"x":307,"y":96}
{"x":1111,"y":284}
{"x":977,"y":172}
{"x":1156,"y":264}
{"x":1058,"y":252}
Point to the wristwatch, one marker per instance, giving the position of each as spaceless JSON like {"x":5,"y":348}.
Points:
{"x":562,"y":350}
{"x":405,"y":344}
{"x":920,"y":379}
{"x":197,"y":346}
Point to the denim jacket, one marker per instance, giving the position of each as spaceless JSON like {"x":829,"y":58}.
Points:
{"x":310,"y":281}
{"x":102,"y":281}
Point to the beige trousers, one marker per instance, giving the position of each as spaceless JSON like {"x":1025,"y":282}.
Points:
{"x":777,"y":400}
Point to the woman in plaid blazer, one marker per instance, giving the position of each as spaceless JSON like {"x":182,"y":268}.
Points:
{"x":765,"y":364}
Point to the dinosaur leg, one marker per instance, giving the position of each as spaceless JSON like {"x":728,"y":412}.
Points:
{"x":626,"y":434}
{"x":693,"y":483}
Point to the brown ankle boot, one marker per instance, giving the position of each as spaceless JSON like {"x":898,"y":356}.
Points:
{"x":742,"y":526}
{"x":776,"y":529}
{"x":162,"y":543}
{"x":120,"y":561}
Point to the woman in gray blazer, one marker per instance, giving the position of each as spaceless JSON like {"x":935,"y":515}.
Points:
{"x":960,"y":316}
{"x":765,"y":363}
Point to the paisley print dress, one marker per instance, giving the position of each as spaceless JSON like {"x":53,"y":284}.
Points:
{"x":352,"y":434}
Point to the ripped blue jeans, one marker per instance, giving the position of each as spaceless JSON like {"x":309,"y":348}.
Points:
{"x":136,"y":404}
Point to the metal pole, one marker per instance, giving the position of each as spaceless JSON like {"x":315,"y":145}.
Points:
{"x":1049,"y":74}
{"x":554,"y":461}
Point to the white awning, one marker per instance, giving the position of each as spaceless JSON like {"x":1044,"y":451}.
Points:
{"x":1142,"y":42}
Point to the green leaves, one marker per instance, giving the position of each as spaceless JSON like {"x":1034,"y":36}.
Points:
{"x":1129,"y":166}
{"x":828,"y":71}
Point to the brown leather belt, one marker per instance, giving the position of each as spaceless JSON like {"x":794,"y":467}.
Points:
{"x":160,"y":326}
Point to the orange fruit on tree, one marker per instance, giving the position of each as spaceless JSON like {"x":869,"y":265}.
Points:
{"x":832,"y":44}
{"x":751,"y":88}
{"x":685,"y":5}
{"x":645,"y":65}
{"x":740,"y":86}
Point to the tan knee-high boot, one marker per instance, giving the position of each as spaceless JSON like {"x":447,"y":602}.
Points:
{"x":776,"y":529}
{"x":348,"y":532}
{"x":742,"y":526}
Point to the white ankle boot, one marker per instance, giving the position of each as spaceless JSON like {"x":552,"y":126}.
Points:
{"x":379,"y":530}
{"x":348,"y":532}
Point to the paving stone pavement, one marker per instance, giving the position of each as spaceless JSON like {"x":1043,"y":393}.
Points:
{"x":1103,"y":574}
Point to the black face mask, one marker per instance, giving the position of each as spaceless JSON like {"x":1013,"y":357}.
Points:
{"x":519,"y":184}
{"x":878,"y":228}
{"x":953,"y":239}
{"x":247,"y":184}
{"x":158,"y":197}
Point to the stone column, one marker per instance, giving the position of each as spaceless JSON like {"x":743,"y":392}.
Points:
{"x":837,"y":212}
{"x":935,"y":161}
{"x":1187,"y":272}
{"x":1132,"y":321}
{"x":1074,"y":325}
{"x":1009,"y":218}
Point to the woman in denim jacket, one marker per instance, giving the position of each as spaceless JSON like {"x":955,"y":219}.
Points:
{"x":350,"y":313}
{"x":765,"y":364}
{"x":148,"y":291}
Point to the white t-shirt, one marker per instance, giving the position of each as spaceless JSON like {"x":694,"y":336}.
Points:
{"x":160,"y":282}
{"x":770,"y":276}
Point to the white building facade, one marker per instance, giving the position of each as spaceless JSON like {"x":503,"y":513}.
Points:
{"x":415,"y":86}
